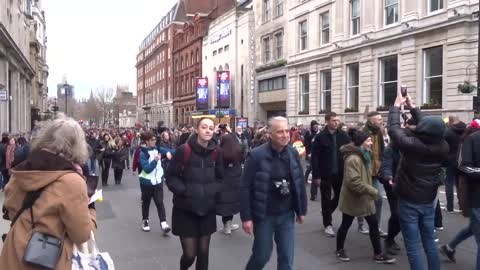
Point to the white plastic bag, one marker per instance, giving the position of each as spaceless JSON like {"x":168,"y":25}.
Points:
{"x":88,"y":257}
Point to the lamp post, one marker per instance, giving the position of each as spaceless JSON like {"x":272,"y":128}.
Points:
{"x":65,"y":93}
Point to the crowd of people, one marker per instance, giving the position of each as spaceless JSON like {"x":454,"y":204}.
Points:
{"x":217,"y":170}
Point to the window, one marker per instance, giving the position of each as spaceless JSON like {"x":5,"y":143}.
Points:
{"x":266,"y":10}
{"x":181,"y":62}
{"x":169,"y":72}
{"x":304,"y":93}
{"x":325,"y":28}
{"x":214,"y":52}
{"x":226,"y":48}
{"x":352,"y":86}
{"x":355,"y":8}
{"x":435,"y":5}
{"x":278,"y":8}
{"x":197,"y":56}
{"x":266,"y":50}
{"x":279,"y":45}
{"x":391,"y":11}
{"x":303,"y":36}
{"x":433,"y":76}
{"x":388,"y":80}
{"x":326,"y":91}
{"x":191,"y":59}
{"x":273,"y":84}
{"x":220,"y":50}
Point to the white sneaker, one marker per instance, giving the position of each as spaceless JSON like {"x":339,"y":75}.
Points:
{"x":363,"y":229}
{"x":234,"y":227}
{"x":227,"y":229}
{"x":165,"y":228}
{"x":145,"y":226}
{"x":329,"y":231}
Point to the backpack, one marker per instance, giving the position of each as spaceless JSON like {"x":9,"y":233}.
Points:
{"x":188,"y":152}
{"x":139,"y":167}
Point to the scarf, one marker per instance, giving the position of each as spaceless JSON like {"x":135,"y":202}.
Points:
{"x":10,"y":155}
{"x":367,"y":156}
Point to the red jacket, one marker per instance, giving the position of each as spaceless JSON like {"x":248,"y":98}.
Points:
{"x":136,"y":157}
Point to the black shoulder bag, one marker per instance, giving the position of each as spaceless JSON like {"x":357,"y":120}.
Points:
{"x":42,"y":249}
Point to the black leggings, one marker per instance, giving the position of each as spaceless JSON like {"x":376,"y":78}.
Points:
{"x":118,"y":173}
{"x":155,"y":192}
{"x":106,"y":170}
{"x":347,"y":221}
{"x":225,"y":219}
{"x":195,"y":248}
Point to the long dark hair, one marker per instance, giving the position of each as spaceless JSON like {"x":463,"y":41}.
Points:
{"x":232,"y":151}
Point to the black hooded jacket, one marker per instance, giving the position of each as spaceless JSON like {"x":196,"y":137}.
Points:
{"x":196,"y":183}
{"x":422,"y":156}
{"x":453,"y":136}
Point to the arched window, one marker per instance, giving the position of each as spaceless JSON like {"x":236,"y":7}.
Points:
{"x":191,"y":58}
{"x":181,"y":62}
{"x":220,"y":68}
{"x":226,"y":66}
{"x":196,"y":56}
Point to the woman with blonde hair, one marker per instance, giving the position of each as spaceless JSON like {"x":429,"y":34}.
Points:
{"x":61,"y":211}
{"x":109,"y":149}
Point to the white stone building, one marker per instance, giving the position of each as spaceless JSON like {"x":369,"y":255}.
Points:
{"x":349,"y":56}
{"x":272,"y":44}
{"x":229,"y":45}
{"x":16,"y":70}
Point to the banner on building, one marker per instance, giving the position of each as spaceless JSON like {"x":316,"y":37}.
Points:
{"x":201,"y":93}
{"x":223,"y":89}
{"x":242,"y":122}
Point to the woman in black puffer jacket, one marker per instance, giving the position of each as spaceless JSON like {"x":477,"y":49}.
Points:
{"x":194,"y":176}
{"x":228,"y":203}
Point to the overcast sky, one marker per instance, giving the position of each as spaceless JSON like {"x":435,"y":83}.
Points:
{"x":95,"y":42}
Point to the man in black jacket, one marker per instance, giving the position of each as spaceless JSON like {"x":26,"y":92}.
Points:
{"x":417,"y":180}
{"x":327,"y":166}
{"x":453,"y":136}
{"x":308,"y":140}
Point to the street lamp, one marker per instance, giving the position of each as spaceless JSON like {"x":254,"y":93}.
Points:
{"x":65,"y":93}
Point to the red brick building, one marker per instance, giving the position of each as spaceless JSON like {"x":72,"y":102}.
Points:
{"x":187,"y":54}
{"x":155,"y":75}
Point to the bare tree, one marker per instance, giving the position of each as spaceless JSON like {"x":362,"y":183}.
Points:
{"x":104,"y":97}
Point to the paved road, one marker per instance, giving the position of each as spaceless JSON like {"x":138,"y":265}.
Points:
{"x":119,"y":233}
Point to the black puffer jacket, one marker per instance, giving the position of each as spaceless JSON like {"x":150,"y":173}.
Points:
{"x":422,"y":156}
{"x":453,"y":136}
{"x":471,"y":158}
{"x":195,"y":185}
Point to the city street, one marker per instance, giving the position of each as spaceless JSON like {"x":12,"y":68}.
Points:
{"x":119,"y":233}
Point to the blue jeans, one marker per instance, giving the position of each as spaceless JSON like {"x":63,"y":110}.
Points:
{"x":282,"y":230}
{"x":475,"y":227}
{"x":450,"y":182}
{"x":92,"y":166}
{"x":417,"y":224}
{"x":461,"y":236}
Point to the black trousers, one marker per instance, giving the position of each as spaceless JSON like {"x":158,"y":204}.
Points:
{"x":118,"y":173}
{"x":329,"y":204}
{"x":347,"y":221}
{"x":393,"y":221}
{"x":106,"y":170}
{"x":438,"y":215}
{"x":155,"y":192}
{"x":225,"y":219}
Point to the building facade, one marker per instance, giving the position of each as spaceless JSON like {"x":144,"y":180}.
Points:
{"x":272,"y":41}
{"x":187,"y":65}
{"x":187,"y":53}
{"x":352,"y":56}
{"x":38,"y":58}
{"x":229,"y":46}
{"x":16,"y":70}
{"x":154,"y":71}
{"x":125,"y":107}
{"x":66,"y":98}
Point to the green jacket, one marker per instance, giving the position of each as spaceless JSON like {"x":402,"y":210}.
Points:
{"x":357,"y":195}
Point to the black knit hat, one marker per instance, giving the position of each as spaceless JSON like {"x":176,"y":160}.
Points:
{"x":358,"y":137}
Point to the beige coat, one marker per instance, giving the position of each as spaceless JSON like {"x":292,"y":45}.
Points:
{"x":61,"y":209}
{"x":357,"y":195}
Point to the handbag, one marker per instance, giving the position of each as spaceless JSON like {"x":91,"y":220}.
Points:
{"x":88,"y":257}
{"x":43,"y":250}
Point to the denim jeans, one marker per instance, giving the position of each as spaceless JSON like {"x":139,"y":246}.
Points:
{"x":451,"y":180}
{"x":475,"y":227}
{"x":461,"y":236}
{"x":92,"y":166}
{"x":282,"y":230}
{"x":417,"y":223}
